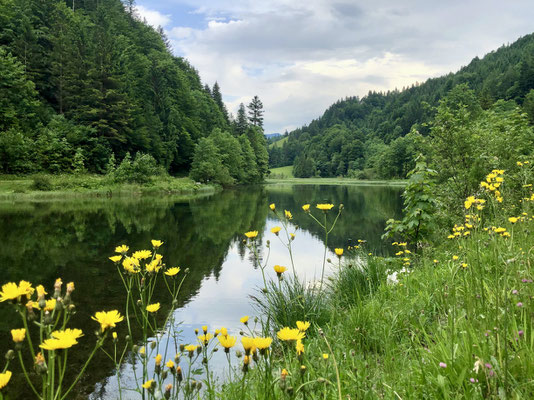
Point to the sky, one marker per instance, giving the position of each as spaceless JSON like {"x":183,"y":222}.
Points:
{"x":301,"y":56}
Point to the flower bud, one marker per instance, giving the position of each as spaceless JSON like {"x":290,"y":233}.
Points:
{"x":10,"y":355}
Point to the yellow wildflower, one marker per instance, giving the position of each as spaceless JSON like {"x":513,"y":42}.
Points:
{"x":10,"y":291}
{"x":339,"y":252}
{"x":122,"y":249}
{"x":204,"y":339}
{"x":251,"y":234}
{"x":107,"y":319}
{"x":288,"y":214}
{"x":455,"y":258}
{"x":513,"y":220}
{"x":275,"y":230}
{"x":248,"y":344}
{"x":158,"y":359}
{"x":303,"y":326}
{"x":62,"y":339}
{"x":227,"y":341}
{"x":324,"y":207}
{"x":244,"y":320}
{"x":153,"y":266}
{"x":149,"y":384}
{"x":131,"y":265}
{"x":156,"y":243}
{"x":288,"y":334}
{"x":115,"y":259}
{"x":306,"y":207}
{"x":299,"y":347}
{"x":279,"y":269}
{"x":262,"y":343}
{"x":18,"y":335}
{"x":272,"y":206}
{"x":4,"y":379}
{"x":50,"y":305}
{"x":325,"y":356}
{"x":142,"y":254}
{"x":170,"y":364}
{"x":172,"y":271}
{"x":153,"y":307}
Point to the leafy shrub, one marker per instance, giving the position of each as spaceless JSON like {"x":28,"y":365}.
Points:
{"x":42,"y":183}
{"x":140,"y":170}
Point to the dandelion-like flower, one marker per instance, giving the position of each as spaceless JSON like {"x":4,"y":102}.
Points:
{"x":275,"y":230}
{"x":272,"y":206}
{"x":152,"y":308}
{"x":244,"y":320}
{"x":149,"y":384}
{"x":227,"y":342}
{"x":251,"y":234}
{"x":172,"y":271}
{"x":115,"y":259}
{"x":4,"y":379}
{"x":156,"y":243}
{"x":142,"y":254}
{"x":62,"y":339}
{"x":303,"y":326}
{"x":50,"y":305}
{"x":122,"y":249}
{"x":288,"y":214}
{"x":288,"y":334}
{"x":325,"y":356}
{"x":299,"y":347}
{"x":248,"y":345}
{"x":131,"y":265}
{"x":262,"y":343}
{"x":107,"y":319}
{"x":339,"y":252}
{"x":10,"y":291}
{"x":513,"y":220}
{"x":170,"y":364}
{"x":279,"y":269}
{"x":325,"y":207}
{"x":158,"y":359}
{"x":190,"y":348}
{"x":306,"y":207}
{"x":204,"y":339}
{"x":18,"y":335}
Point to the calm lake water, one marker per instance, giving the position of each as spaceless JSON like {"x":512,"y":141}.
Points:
{"x":41,"y":241}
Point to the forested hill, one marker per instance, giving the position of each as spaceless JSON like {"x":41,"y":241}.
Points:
{"x":368,"y":137}
{"x":88,"y":81}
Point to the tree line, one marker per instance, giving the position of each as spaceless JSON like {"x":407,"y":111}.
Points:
{"x":83,"y":82}
{"x":377,"y":136}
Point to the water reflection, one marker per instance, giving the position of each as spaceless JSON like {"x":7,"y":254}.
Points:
{"x":42,"y":241}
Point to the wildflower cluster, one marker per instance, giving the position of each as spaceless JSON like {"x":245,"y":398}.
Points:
{"x":49,"y":318}
{"x":493,"y":183}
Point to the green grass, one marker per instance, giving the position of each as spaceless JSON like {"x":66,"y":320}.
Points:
{"x":457,"y":322}
{"x":279,"y":143}
{"x":281,"y":173}
{"x":61,"y":186}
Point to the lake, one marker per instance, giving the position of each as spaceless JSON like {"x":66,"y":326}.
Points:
{"x":42,"y":241}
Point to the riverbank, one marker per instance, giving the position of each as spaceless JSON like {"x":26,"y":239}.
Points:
{"x":334,"y":181}
{"x":448,"y":319}
{"x":49,"y":187}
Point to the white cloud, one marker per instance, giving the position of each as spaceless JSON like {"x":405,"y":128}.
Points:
{"x":300,"y":56}
{"x":153,"y":17}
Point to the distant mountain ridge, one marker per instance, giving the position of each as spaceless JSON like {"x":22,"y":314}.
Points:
{"x":343,"y":140}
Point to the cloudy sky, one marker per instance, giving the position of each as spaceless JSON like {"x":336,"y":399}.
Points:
{"x":300,"y":56}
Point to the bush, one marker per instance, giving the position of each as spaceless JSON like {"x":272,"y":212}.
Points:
{"x":42,"y":183}
{"x":140,"y":170}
